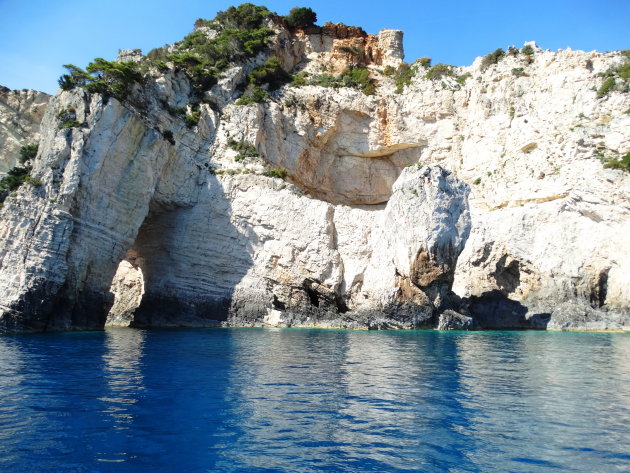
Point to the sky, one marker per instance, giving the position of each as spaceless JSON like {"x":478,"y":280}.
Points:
{"x":38,"y":36}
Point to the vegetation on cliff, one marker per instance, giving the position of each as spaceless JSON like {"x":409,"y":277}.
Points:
{"x":109,"y":78}
{"x":301,"y":17}
{"x":616,"y":78}
{"x":18,"y":175}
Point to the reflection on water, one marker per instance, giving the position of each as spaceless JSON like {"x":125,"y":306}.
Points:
{"x":123,"y":374}
{"x":122,"y":371}
{"x":311,"y":400}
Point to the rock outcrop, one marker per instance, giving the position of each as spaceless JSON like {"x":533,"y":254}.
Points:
{"x":21,"y":113}
{"x":146,"y":219}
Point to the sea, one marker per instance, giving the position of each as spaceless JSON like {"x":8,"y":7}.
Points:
{"x":311,"y":400}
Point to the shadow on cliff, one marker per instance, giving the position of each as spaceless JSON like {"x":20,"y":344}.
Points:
{"x":494,"y":310}
{"x":191,"y":259}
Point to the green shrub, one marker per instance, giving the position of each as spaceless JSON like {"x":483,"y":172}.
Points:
{"x":70,"y":124}
{"x":253,"y":96}
{"x":528,"y":50}
{"x":462,"y":79}
{"x":15,"y":178}
{"x":477,"y":181}
{"x":622,"y":163}
{"x":246,"y":16}
{"x":161,"y":65}
{"x":271,"y":72}
{"x":425,"y":61}
{"x":158,"y":54}
{"x":192,"y":119}
{"x":301,"y":17}
{"x":389,"y":71}
{"x":606,"y":87}
{"x":519,"y":72}
{"x":280,"y":173}
{"x":404,"y":74}
{"x":439,"y":71}
{"x":76,"y":77}
{"x":298,"y":80}
{"x":111,"y":79}
{"x":624,"y":70}
{"x":67,"y":119}
{"x":356,"y":78}
{"x":245,"y":150}
{"x":240,"y":34}
{"x":493,"y":58}
{"x":28,"y":152}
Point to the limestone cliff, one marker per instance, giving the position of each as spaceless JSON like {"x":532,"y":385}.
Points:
{"x":21,"y":112}
{"x":162,"y":209}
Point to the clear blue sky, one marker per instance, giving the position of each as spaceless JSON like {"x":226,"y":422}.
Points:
{"x":38,"y":36}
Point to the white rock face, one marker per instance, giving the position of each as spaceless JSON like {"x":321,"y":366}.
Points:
{"x":132,"y":228}
{"x":21,"y":112}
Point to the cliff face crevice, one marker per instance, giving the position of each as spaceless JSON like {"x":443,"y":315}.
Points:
{"x":489,"y":187}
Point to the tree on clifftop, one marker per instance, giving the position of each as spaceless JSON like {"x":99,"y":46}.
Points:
{"x":301,"y":17}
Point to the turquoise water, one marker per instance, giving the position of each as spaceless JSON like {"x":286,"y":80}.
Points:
{"x":265,"y":400}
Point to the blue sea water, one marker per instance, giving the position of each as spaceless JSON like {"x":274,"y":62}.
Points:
{"x":297,"y":400}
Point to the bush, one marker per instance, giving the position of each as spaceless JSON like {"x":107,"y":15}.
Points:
{"x":192,"y":119}
{"x":67,"y":119}
{"x":76,"y":77}
{"x":298,"y":80}
{"x":359,"y":78}
{"x":70,"y":124}
{"x":241,"y":34}
{"x":425,"y":61}
{"x":439,"y":71}
{"x":519,"y":72}
{"x":245,"y":150}
{"x":528,"y":50}
{"x":111,"y":79}
{"x":28,"y":152}
{"x":279,"y":173}
{"x":404,"y":75}
{"x":622,"y":163}
{"x":356,"y":78}
{"x":271,"y":72}
{"x":606,"y":87}
{"x":301,"y":17}
{"x":492,"y":58}
{"x":246,"y":16}
{"x":462,"y":79}
{"x":15,"y":178}
{"x":253,"y":96}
